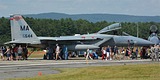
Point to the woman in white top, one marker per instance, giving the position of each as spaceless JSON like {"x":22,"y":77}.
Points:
{"x":57,"y":51}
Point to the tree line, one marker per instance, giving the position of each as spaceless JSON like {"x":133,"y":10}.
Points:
{"x":67,"y":26}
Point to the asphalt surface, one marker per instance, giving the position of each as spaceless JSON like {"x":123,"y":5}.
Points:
{"x":36,"y":67}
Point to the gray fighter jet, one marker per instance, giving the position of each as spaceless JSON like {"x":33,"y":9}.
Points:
{"x":21,"y":33}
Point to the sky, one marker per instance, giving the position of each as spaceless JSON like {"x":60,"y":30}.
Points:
{"x":127,"y":7}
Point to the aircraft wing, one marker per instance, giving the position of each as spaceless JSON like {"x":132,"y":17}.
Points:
{"x":82,"y":39}
{"x":22,"y":42}
{"x":69,"y":38}
{"x":72,"y":42}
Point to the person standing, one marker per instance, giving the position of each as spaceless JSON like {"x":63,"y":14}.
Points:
{"x":127,"y":53}
{"x":152,"y":53}
{"x":116,"y":52}
{"x":50,"y":53}
{"x":143,"y":52}
{"x":136,"y":52}
{"x":57,"y":51}
{"x":25,"y":51}
{"x":4,"y":49}
{"x":1,"y":54}
{"x":65,"y":51}
{"x":88,"y":54}
{"x":108,"y":52}
{"x":156,"y":50}
{"x":8,"y":53}
{"x":123,"y":53}
{"x":20,"y":51}
{"x":103,"y":53}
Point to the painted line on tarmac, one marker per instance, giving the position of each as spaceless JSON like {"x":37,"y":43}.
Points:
{"x":41,"y":64}
{"x":60,"y":63}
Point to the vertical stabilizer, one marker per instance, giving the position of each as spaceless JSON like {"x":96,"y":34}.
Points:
{"x":21,"y":31}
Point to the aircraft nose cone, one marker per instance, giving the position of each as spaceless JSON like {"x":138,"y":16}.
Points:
{"x":130,"y":40}
{"x":143,"y":42}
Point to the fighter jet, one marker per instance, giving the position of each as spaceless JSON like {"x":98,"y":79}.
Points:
{"x":21,"y":33}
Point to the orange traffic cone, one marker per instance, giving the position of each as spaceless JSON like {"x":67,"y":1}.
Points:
{"x":39,"y":73}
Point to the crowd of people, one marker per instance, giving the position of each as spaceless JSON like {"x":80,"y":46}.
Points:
{"x":14,"y":53}
{"x":57,"y":52}
{"x":19,"y":52}
{"x":110,"y":53}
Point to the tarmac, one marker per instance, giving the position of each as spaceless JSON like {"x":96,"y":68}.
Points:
{"x":38,"y":67}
